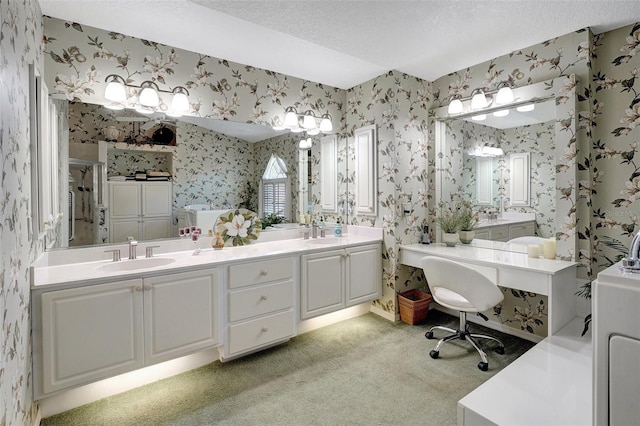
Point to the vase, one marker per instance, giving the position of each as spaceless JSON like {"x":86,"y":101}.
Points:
{"x":466,"y":236}
{"x":450,"y":239}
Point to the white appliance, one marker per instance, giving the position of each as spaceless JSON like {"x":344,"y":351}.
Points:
{"x":616,"y":347}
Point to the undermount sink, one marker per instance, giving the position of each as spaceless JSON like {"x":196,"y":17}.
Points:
{"x":133,"y":265}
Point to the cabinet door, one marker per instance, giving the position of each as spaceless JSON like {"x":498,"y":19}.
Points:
{"x":322,"y":284}
{"x":180,"y":314}
{"x":90,"y":333}
{"x":364,"y":274}
{"x":124,"y":200}
{"x":119,"y":230}
{"x":521,"y":230}
{"x":156,"y":199}
{"x":156,"y":227}
{"x":499,"y":233}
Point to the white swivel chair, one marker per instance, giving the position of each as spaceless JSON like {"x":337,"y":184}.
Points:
{"x":459,"y":287}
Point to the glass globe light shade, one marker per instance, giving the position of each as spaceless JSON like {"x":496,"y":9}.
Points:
{"x":148,"y":96}
{"x":455,"y":107}
{"x":115,"y":91}
{"x":504,"y":96}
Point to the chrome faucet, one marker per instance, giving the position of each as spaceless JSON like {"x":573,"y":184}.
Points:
{"x":132,"y":247}
{"x":633,"y":261}
{"x":314,"y":230}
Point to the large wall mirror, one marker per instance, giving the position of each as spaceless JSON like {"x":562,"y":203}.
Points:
{"x":476,"y":160}
{"x":213,"y":164}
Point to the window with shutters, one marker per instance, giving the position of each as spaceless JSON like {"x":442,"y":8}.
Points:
{"x":275,"y":196}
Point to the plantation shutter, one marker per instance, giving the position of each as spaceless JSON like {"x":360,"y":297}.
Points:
{"x":274,"y":195}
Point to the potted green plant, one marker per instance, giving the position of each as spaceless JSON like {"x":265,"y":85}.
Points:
{"x":449,"y":221}
{"x":468,"y":222}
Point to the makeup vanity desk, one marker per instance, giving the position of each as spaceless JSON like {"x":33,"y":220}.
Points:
{"x":509,"y":266}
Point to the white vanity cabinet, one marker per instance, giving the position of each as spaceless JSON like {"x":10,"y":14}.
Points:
{"x":97,"y":331}
{"x":336,"y":279}
{"x":142,"y":210}
{"x":260,"y":305}
{"x":505,"y":232}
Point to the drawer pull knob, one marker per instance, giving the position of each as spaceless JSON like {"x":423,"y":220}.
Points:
{"x":264,"y":297}
{"x":136,"y":288}
{"x":265,"y":329}
{"x":147,"y":288}
{"x":264,"y":272}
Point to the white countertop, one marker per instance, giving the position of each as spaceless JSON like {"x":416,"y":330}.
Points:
{"x":614,"y":274}
{"x":88,"y":272}
{"x":488,"y":256}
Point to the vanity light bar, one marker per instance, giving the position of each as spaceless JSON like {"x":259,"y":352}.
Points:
{"x":306,"y":122}
{"x":148,"y":96}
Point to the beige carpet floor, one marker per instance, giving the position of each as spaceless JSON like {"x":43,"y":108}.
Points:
{"x":363,"y":371}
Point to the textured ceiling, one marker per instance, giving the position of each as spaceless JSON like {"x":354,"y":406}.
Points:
{"x":345,"y":43}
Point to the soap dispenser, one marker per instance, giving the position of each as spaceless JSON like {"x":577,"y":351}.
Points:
{"x":337,"y":230}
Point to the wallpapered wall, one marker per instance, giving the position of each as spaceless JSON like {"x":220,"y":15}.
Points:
{"x":78,"y":59}
{"x":613,"y":161}
{"x":20,"y":35}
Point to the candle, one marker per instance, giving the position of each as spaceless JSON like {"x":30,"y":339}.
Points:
{"x":549,"y":248}
{"x":533,"y":250}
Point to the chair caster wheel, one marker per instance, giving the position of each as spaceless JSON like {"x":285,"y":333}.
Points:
{"x":429,"y":334}
{"x":434,"y":354}
{"x":484,"y":366}
{"x":500,"y":350}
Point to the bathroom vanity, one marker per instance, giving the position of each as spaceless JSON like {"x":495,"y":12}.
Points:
{"x":553,"y":278}
{"x":94,"y":319}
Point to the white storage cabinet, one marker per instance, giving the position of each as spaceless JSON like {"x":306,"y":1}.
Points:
{"x":142,"y":210}
{"x":98,"y":331}
{"x":336,"y":279}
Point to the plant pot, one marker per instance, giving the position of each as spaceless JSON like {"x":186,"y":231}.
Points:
{"x":450,"y":239}
{"x":466,"y":236}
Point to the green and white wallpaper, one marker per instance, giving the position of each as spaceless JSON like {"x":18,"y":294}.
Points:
{"x":20,"y":36}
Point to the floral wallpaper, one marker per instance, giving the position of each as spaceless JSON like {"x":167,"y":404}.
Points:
{"x":615,"y":181}
{"x":79,"y":58}
{"x":397,"y":104}
{"x":20,"y":36}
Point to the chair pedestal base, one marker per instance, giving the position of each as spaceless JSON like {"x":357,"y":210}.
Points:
{"x":463,"y":333}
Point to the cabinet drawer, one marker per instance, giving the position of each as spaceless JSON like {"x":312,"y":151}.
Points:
{"x":260,"y":272}
{"x":526,"y":280}
{"x":260,"y":332}
{"x":260,"y":300}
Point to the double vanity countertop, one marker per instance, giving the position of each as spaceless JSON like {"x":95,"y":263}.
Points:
{"x":489,"y":253}
{"x":91,"y":265}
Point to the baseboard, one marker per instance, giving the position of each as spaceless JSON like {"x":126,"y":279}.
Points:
{"x":38,"y":418}
{"x":394,"y":317}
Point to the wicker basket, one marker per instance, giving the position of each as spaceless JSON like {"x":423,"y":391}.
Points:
{"x":414,"y":306}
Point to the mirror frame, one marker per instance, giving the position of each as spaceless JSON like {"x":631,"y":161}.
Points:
{"x":562,"y":89}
